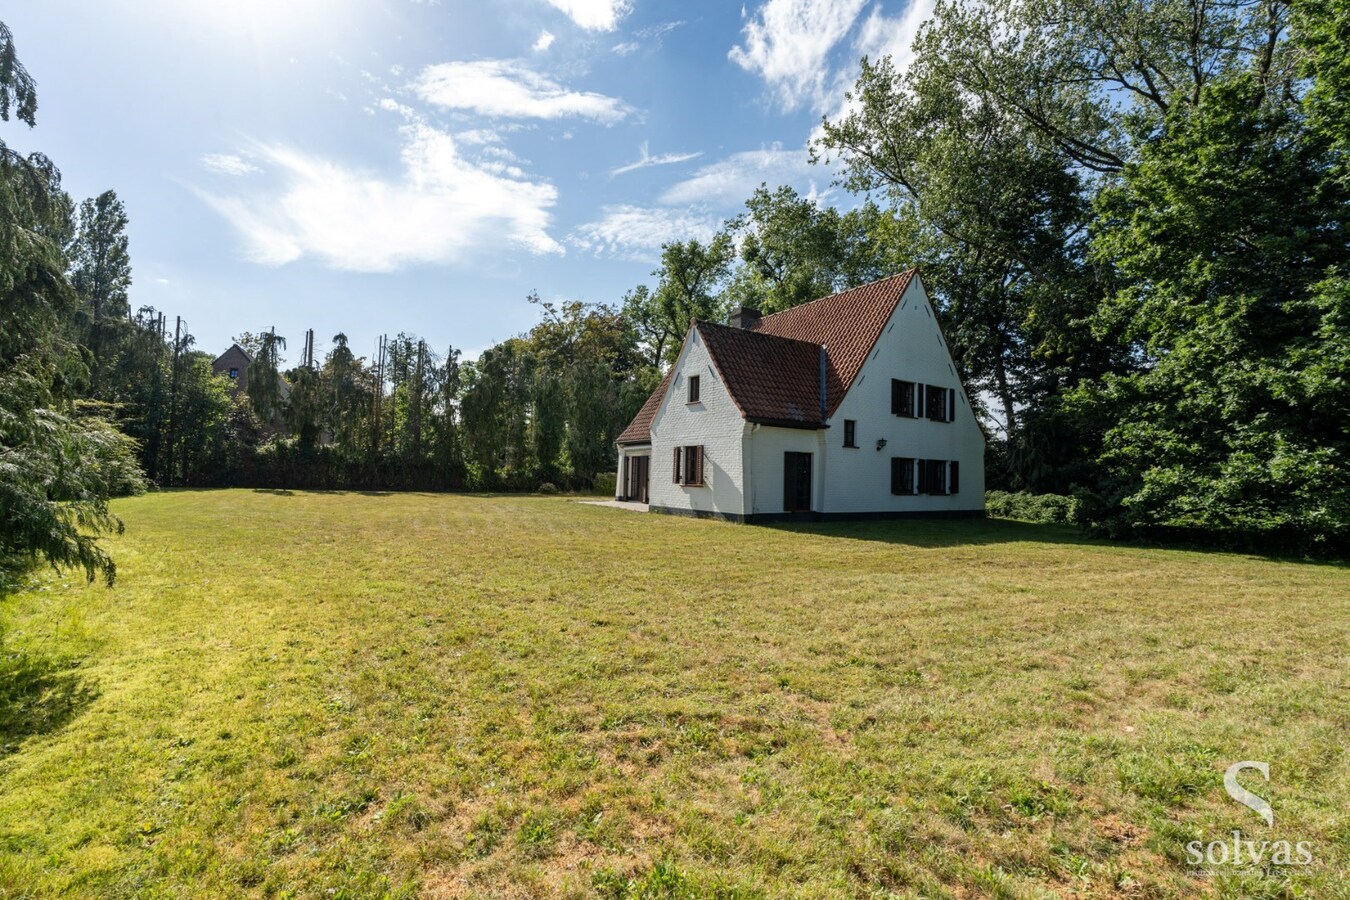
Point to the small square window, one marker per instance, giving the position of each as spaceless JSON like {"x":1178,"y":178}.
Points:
{"x":234,"y":373}
{"x":693,"y":388}
{"x":850,"y":433}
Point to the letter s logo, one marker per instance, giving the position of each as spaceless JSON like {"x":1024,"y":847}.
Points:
{"x":1256,"y":804}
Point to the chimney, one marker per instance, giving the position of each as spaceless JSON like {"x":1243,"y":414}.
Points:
{"x":743,"y":317}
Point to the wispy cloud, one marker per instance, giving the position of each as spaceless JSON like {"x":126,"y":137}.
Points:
{"x":440,"y":208}
{"x":652,"y":35}
{"x":637,"y":232}
{"x":788,"y":43}
{"x":543,"y":42}
{"x":595,"y":15}
{"x":229,"y":164}
{"x":506,"y":88}
{"x":728,"y":182}
{"x":645,"y":159}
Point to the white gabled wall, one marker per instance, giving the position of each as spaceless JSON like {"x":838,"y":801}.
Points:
{"x":910,"y":348}
{"x":715,"y":422}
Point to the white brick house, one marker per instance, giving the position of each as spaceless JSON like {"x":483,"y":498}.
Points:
{"x":848,"y":406}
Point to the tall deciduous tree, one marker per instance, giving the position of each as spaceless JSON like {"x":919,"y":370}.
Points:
{"x":1222,"y":231}
{"x":56,"y":470}
{"x":264,"y":379}
{"x":101,"y":275}
{"x":689,"y":286}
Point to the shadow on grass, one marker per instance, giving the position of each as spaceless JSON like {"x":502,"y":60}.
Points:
{"x":287,"y":492}
{"x":938,"y":532}
{"x":39,"y":696}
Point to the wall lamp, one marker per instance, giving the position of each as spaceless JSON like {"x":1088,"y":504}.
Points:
{"x":881,"y":442}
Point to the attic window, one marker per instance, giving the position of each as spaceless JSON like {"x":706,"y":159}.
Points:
{"x":850,"y":434}
{"x":693,"y":388}
{"x":234,"y":373}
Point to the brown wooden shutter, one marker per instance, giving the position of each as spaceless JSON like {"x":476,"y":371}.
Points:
{"x":951,"y":406}
{"x":897,"y":405}
{"x":698,"y":471}
{"x":896,"y":480}
{"x":954,"y":481}
{"x":677,"y":465}
{"x":918,"y":401}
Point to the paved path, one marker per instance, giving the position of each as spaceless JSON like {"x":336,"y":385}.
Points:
{"x":617,"y":504}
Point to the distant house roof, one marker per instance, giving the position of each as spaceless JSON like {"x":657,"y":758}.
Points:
{"x":233,"y":348}
{"x":772,"y":368}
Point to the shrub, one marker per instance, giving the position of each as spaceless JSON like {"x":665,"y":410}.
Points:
{"x":548,"y":487}
{"x":606,"y":483}
{"x":1047,"y":509}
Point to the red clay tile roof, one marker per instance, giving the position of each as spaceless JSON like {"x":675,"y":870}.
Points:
{"x":772,"y":369}
{"x":771,"y":379}
{"x":848,"y":324}
{"x":639,"y":431}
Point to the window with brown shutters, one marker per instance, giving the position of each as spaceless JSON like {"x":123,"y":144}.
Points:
{"x":954,"y":477}
{"x":903,"y":395}
{"x":902,"y":475}
{"x":693,"y":388}
{"x":689,"y":465}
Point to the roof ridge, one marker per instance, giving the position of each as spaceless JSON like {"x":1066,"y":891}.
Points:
{"x":764,"y":334}
{"x":910,"y":271}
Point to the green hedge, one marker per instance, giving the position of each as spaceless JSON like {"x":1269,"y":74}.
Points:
{"x":1048,"y":509}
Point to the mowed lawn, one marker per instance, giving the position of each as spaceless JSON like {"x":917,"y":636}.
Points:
{"x":346,"y":695}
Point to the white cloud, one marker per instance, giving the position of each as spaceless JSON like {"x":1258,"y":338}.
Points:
{"x":894,"y":37}
{"x":595,"y":15}
{"x":439,"y":209}
{"x":228,"y":164}
{"x":499,"y":87}
{"x":788,"y":42}
{"x":627,"y":48}
{"x":493,"y":135}
{"x":727,"y":183}
{"x":878,"y":36}
{"x":543,"y":42}
{"x":637,"y":232}
{"x":645,"y":159}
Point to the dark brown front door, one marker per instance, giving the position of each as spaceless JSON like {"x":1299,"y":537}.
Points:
{"x":642,"y":466}
{"x":636,"y":470}
{"x":796,"y":482}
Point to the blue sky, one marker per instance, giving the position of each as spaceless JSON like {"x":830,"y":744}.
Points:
{"x":373,"y":166}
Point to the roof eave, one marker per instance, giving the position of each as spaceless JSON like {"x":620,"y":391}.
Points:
{"x":787,"y":423}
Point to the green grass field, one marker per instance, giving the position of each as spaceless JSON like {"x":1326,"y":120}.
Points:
{"x":343,"y":695}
